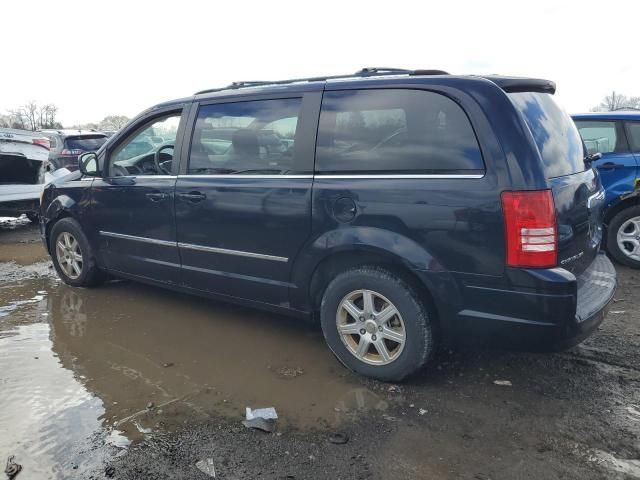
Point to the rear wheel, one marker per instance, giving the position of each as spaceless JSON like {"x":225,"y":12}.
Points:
{"x":72,"y":255}
{"x":623,"y":237}
{"x":376,"y":324}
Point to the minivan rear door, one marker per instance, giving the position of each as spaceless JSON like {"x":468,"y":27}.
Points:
{"x":577,"y":190}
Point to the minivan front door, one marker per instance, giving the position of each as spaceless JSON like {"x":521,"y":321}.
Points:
{"x":133,"y":204}
{"x":243,"y":196}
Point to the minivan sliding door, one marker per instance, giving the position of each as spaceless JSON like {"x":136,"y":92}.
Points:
{"x":243,"y":198}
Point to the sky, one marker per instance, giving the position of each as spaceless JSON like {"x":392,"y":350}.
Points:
{"x":94,"y":59}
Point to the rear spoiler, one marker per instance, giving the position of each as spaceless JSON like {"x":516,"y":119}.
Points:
{"x":523,"y":84}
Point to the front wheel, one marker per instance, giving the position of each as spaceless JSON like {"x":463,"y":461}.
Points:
{"x":376,"y":324}
{"x":623,"y":237}
{"x":72,"y":255}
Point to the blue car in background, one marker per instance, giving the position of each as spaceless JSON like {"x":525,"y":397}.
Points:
{"x":616,"y":136}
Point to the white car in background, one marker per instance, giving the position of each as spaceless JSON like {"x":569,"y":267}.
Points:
{"x":24,"y":171}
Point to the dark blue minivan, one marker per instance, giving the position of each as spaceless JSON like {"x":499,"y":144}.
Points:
{"x":399,"y":208}
{"x":615,"y":138}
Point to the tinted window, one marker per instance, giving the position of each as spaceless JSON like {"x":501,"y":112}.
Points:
{"x":246,"y":138}
{"x":599,"y":137}
{"x":554,"y":132}
{"x":85,"y":143}
{"x":399,"y":131}
{"x":633,"y":130}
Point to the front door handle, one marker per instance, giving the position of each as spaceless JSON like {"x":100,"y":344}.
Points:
{"x":156,"y":196}
{"x":609,"y":166}
{"x":193,"y":197}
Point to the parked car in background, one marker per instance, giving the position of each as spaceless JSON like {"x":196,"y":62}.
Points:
{"x":397,"y":207}
{"x":616,"y":136}
{"x":67,"y":145}
{"x":24,"y":171}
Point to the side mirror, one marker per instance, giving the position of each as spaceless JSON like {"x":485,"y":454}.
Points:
{"x":88,"y":164}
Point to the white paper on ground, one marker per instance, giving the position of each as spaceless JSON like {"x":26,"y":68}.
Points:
{"x":265,"y":413}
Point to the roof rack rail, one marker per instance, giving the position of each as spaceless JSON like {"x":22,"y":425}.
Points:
{"x":364,"y":72}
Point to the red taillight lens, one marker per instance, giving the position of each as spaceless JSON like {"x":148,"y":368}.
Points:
{"x":530,"y":229}
{"x":43,"y":142}
{"x":73,"y":152}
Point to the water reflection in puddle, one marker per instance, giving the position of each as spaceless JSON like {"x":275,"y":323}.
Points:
{"x":116,"y":363}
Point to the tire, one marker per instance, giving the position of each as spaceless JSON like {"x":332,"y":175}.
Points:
{"x":627,"y":225}
{"x":33,"y":217}
{"x":67,"y":232}
{"x":387,"y":290}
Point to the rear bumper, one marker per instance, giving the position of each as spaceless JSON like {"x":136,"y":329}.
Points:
{"x":16,"y":208}
{"x":553,"y":311}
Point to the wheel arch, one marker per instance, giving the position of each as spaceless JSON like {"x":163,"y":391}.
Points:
{"x":623,"y":202}
{"x":61,"y":207}
{"x":338,"y":251}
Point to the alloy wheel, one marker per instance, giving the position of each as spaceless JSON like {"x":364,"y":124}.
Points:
{"x":628,"y":238}
{"x":371,"y":327}
{"x":69,"y":255}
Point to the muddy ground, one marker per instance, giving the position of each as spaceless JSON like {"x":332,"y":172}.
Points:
{"x":132,"y":382}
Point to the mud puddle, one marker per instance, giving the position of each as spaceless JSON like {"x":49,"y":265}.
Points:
{"x":100,"y":368}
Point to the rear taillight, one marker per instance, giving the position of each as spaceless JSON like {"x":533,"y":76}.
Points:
{"x":74,"y":152}
{"x":530,"y":229}
{"x":43,"y":142}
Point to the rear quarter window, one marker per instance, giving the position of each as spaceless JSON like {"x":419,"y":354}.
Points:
{"x":395,"y":131}
{"x":554,"y":132}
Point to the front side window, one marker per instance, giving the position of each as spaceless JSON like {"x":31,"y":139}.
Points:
{"x":396,"y":131}
{"x":149,"y":150}
{"x":598,"y":136}
{"x":245,"y":138}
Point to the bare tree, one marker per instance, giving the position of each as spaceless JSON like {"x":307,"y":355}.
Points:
{"x":30,"y":113}
{"x":617,"y":101}
{"x":113,"y":122}
{"x":32,"y":117}
{"x":17,"y":119}
{"x":48,"y":114}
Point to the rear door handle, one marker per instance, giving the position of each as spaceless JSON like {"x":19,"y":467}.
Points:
{"x":193,"y":197}
{"x":156,"y":196}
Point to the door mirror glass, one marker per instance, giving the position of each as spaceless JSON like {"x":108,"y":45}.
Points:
{"x":88,"y":163}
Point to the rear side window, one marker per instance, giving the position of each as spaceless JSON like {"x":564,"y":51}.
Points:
{"x":87,"y":143}
{"x":395,"y":131}
{"x":601,"y":136}
{"x":554,"y":132}
{"x":246,"y":138}
{"x":633,"y":131}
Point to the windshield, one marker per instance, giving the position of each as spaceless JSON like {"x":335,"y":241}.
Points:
{"x":553,"y":131}
{"x":87,"y":143}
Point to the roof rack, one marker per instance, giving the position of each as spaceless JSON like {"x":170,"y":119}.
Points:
{"x":365,"y":72}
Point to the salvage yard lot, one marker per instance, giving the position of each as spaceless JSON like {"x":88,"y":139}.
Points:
{"x":131,"y":381}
